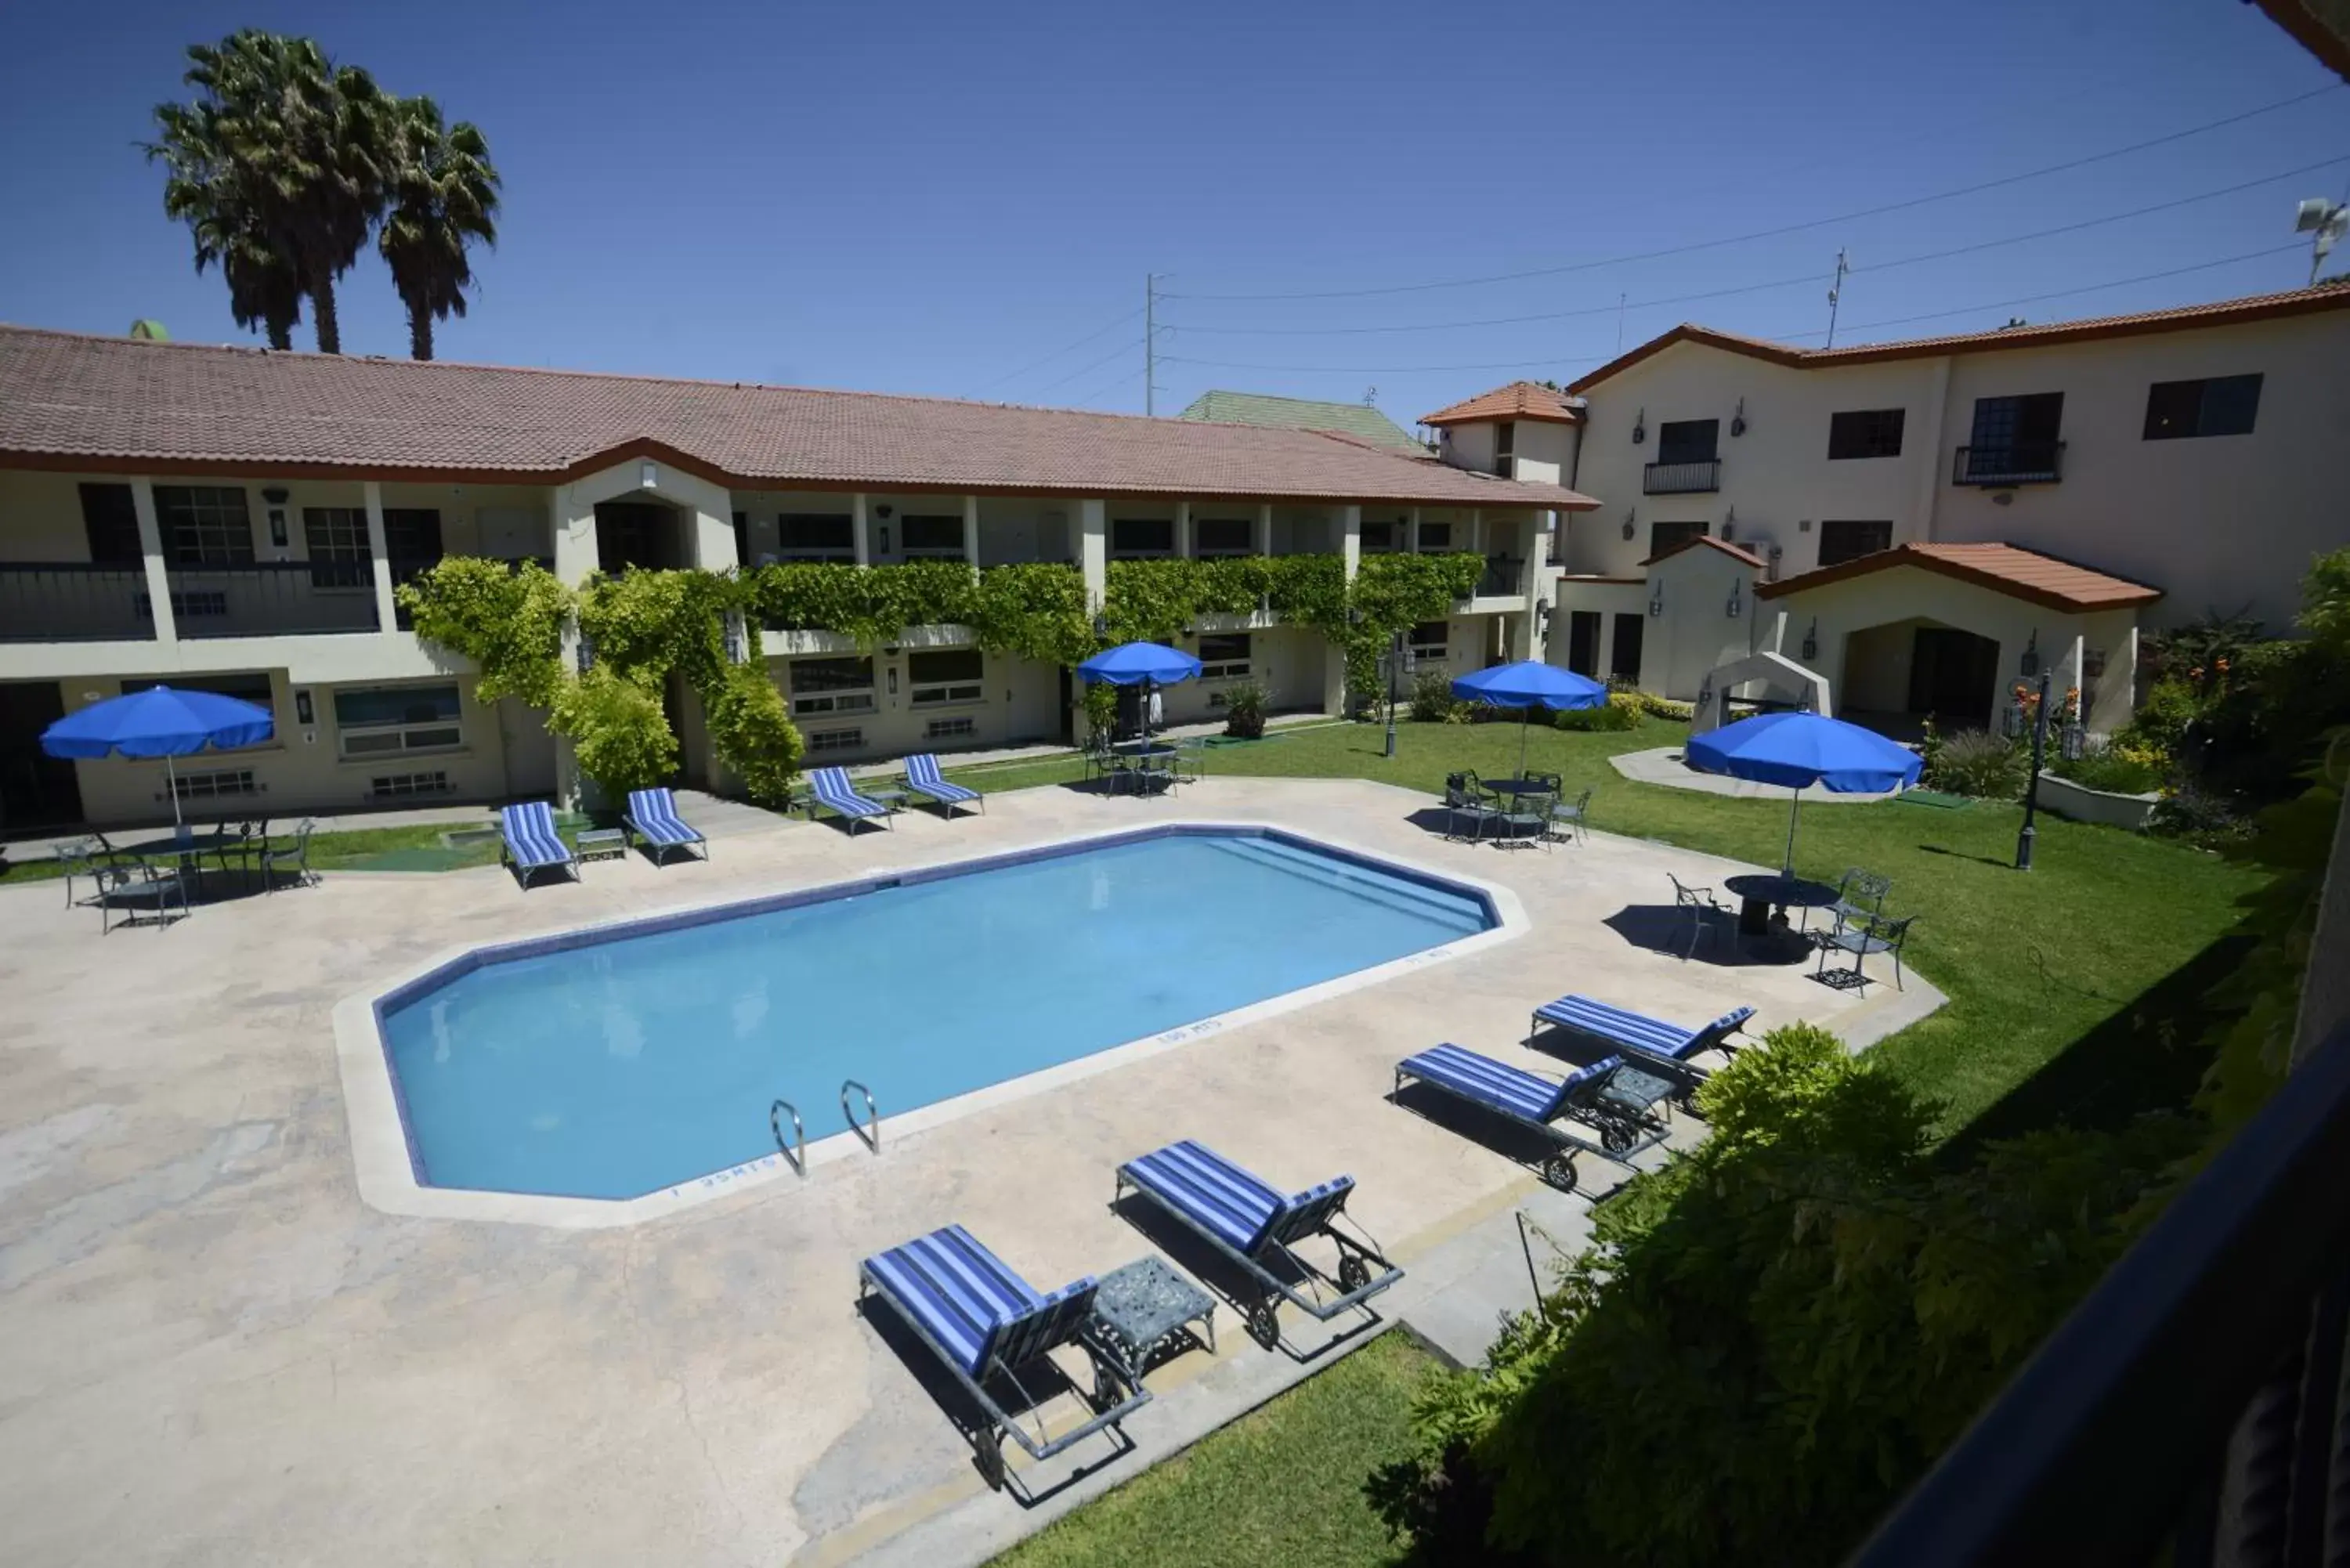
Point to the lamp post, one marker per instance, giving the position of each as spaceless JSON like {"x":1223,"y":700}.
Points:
{"x":2024,"y":841}
{"x":1394,"y":666}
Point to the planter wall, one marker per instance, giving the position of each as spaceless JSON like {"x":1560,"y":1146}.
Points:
{"x":2082,"y":803}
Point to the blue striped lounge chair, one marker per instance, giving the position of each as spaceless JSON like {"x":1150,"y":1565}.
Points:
{"x":1643,"y":1039}
{"x":652,"y":818}
{"x":830,"y":789}
{"x":924,"y":778}
{"x":1257,"y":1226}
{"x":528,"y":843}
{"x":1538,"y":1105}
{"x":985,"y":1323}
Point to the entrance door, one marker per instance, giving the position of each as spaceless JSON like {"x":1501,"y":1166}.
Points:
{"x":1951,"y":674}
{"x":1623,"y":657}
{"x":1068,"y":707}
{"x":37,"y":790}
{"x":1583,"y":643}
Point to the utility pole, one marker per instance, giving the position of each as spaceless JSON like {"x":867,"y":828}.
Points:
{"x":1620,"y":298}
{"x":1150,"y":344}
{"x":1836,"y":291}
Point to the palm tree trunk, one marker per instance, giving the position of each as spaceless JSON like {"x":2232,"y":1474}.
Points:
{"x":322,"y":317}
{"x":281,"y":333}
{"x":420,"y":333}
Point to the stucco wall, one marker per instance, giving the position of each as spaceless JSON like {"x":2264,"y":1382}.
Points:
{"x":1696,"y":632}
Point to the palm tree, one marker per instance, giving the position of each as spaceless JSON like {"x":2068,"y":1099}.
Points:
{"x":296,"y":145}
{"x":201,"y":190}
{"x":442,"y":193}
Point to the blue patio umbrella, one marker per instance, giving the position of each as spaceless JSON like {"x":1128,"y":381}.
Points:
{"x":161,"y":721}
{"x":1527,"y":685}
{"x":1136,"y":663}
{"x":1800,"y":750}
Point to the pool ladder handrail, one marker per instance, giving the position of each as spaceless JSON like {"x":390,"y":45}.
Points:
{"x":870,"y":1135}
{"x":799,"y":1135}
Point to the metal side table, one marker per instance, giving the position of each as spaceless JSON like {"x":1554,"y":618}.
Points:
{"x":1142,"y":1313}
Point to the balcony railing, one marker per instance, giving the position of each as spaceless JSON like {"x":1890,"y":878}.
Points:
{"x":406,"y":569}
{"x":73,"y":601}
{"x":273,"y":598}
{"x":1681,"y":478}
{"x":2024,"y":463}
{"x":1503,"y":578}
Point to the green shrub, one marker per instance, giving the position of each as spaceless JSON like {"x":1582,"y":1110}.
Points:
{"x":2108,"y":765}
{"x":753,"y":733}
{"x":1620,"y":712}
{"x":1245,"y":711}
{"x":1978,"y":763}
{"x":2199,"y":816}
{"x":2163,"y":716}
{"x":1432,"y":701}
{"x":618,"y":731}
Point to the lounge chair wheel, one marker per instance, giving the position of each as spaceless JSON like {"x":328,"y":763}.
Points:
{"x":1559,"y":1171}
{"x":1353,"y":1273}
{"x":1616,"y":1137}
{"x":1265,"y":1325}
{"x":1105,"y":1387}
{"x":991,"y":1460}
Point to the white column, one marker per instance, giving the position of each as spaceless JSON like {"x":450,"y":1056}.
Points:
{"x":1183,"y":547}
{"x":1413,"y":543}
{"x":150,"y":556}
{"x":857,"y":529}
{"x":379,"y":557}
{"x":1093,"y":550}
{"x":1477,"y":530}
{"x":1537,"y":556}
{"x":1261,"y":537}
{"x":1350,"y":538}
{"x":971,"y":531}
{"x":1928,"y":445}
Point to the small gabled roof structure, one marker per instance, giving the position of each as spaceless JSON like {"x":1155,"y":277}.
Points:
{"x":1266,"y":411}
{"x":2009,"y":569}
{"x":1518,"y":400}
{"x":1746,"y":557}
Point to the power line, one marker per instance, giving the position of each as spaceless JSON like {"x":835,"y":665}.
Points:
{"x":2057,"y":293}
{"x":1952,"y":195}
{"x":1113,"y":384}
{"x":1089,"y":364}
{"x":1039,"y":364}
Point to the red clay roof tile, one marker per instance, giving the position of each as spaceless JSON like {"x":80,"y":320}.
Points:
{"x":2005,"y":568}
{"x":1518,"y":400}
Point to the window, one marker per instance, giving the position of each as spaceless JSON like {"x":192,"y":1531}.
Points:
{"x":1866,"y":432}
{"x":961,"y":729}
{"x":1223,"y":655}
{"x":408,"y":786}
{"x":1664,"y":537}
{"x":1379,"y":538}
{"x":1688,"y":440}
{"x":832,"y":686}
{"x":411,"y":538}
{"x":821,"y":741}
{"x":1846,"y":541}
{"x":371,"y":720}
{"x":2014,"y":437}
{"x":1225,"y":535}
{"x":946,"y":676}
{"x":1435,"y":538}
{"x":337,"y":541}
{"x":204,"y":524}
{"x":1505,"y":447}
{"x":253,"y":687}
{"x":1429,"y":639}
{"x":933,"y":535}
{"x":815,"y":536}
{"x":111,"y":522}
{"x":1131,"y":537}
{"x":742,"y":537}
{"x":216,"y":785}
{"x":2216,"y":406}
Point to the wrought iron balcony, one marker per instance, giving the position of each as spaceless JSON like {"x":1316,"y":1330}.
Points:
{"x":273,"y":598}
{"x":1681,"y":478}
{"x":2021,"y":462}
{"x":73,"y":601}
{"x":1503,"y":578}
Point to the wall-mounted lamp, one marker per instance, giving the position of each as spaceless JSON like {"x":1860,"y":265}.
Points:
{"x":1803,"y":524}
{"x":1655,"y":598}
{"x":2029,"y":665}
{"x":885,"y":538}
{"x":648,"y":475}
{"x":277,"y":495}
{"x":587,"y":653}
{"x":1641,"y":427}
{"x":278,"y":526}
{"x":1737,"y":597}
{"x":1541,"y":615}
{"x":303,"y":712}
{"x":1812,"y":640}
{"x":1738,"y":419}
{"x":2072,"y":743}
{"x":893,"y":681}
{"x":738,"y":638}
{"x":1729,"y":524}
{"x":882,"y":511}
{"x":2092,"y":663}
{"x":1627,"y":525}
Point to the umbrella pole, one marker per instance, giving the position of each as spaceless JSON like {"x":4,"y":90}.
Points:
{"x":1525,"y":728}
{"x":1794,"y":805}
{"x":172,"y":786}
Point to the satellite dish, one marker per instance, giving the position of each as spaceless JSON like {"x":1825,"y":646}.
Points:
{"x":2311,"y":214}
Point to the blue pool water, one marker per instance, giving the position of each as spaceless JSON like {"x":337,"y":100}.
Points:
{"x":624,"y":1065}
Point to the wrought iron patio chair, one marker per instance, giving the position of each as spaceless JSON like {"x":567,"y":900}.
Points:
{"x":1878,"y":936}
{"x":1705,"y":912}
{"x":1465,"y":801}
{"x":82,"y":858}
{"x":1569,"y":817}
{"x":297,"y":854}
{"x":125,"y":884}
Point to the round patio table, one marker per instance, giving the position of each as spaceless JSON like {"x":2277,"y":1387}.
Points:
{"x":1759,"y":894}
{"x":1516,"y":787}
{"x":187,"y":851}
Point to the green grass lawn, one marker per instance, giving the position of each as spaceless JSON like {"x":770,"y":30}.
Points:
{"x":415,"y":847}
{"x":1281,"y":1486}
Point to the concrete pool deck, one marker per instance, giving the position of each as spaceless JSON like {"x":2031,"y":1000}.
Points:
{"x":216,"y":1352}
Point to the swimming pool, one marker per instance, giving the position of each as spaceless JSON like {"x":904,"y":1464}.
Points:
{"x":625,"y":1060}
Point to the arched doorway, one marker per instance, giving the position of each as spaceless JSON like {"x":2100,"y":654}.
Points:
{"x":1904,"y":672}
{"x":638,"y":531}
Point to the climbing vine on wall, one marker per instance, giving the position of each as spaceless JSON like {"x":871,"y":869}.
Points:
{"x":508,"y":620}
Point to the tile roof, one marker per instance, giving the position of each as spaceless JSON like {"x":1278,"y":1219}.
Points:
{"x":1518,"y":400}
{"x":68,"y":400}
{"x":1748,"y":556}
{"x":2331,"y":294}
{"x":2004,"y":568}
{"x":1262,"y":409}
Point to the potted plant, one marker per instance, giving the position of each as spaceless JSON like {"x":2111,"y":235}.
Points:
{"x":1245,"y":711}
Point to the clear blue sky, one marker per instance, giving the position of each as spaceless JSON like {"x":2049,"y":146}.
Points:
{"x":928,"y":198}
